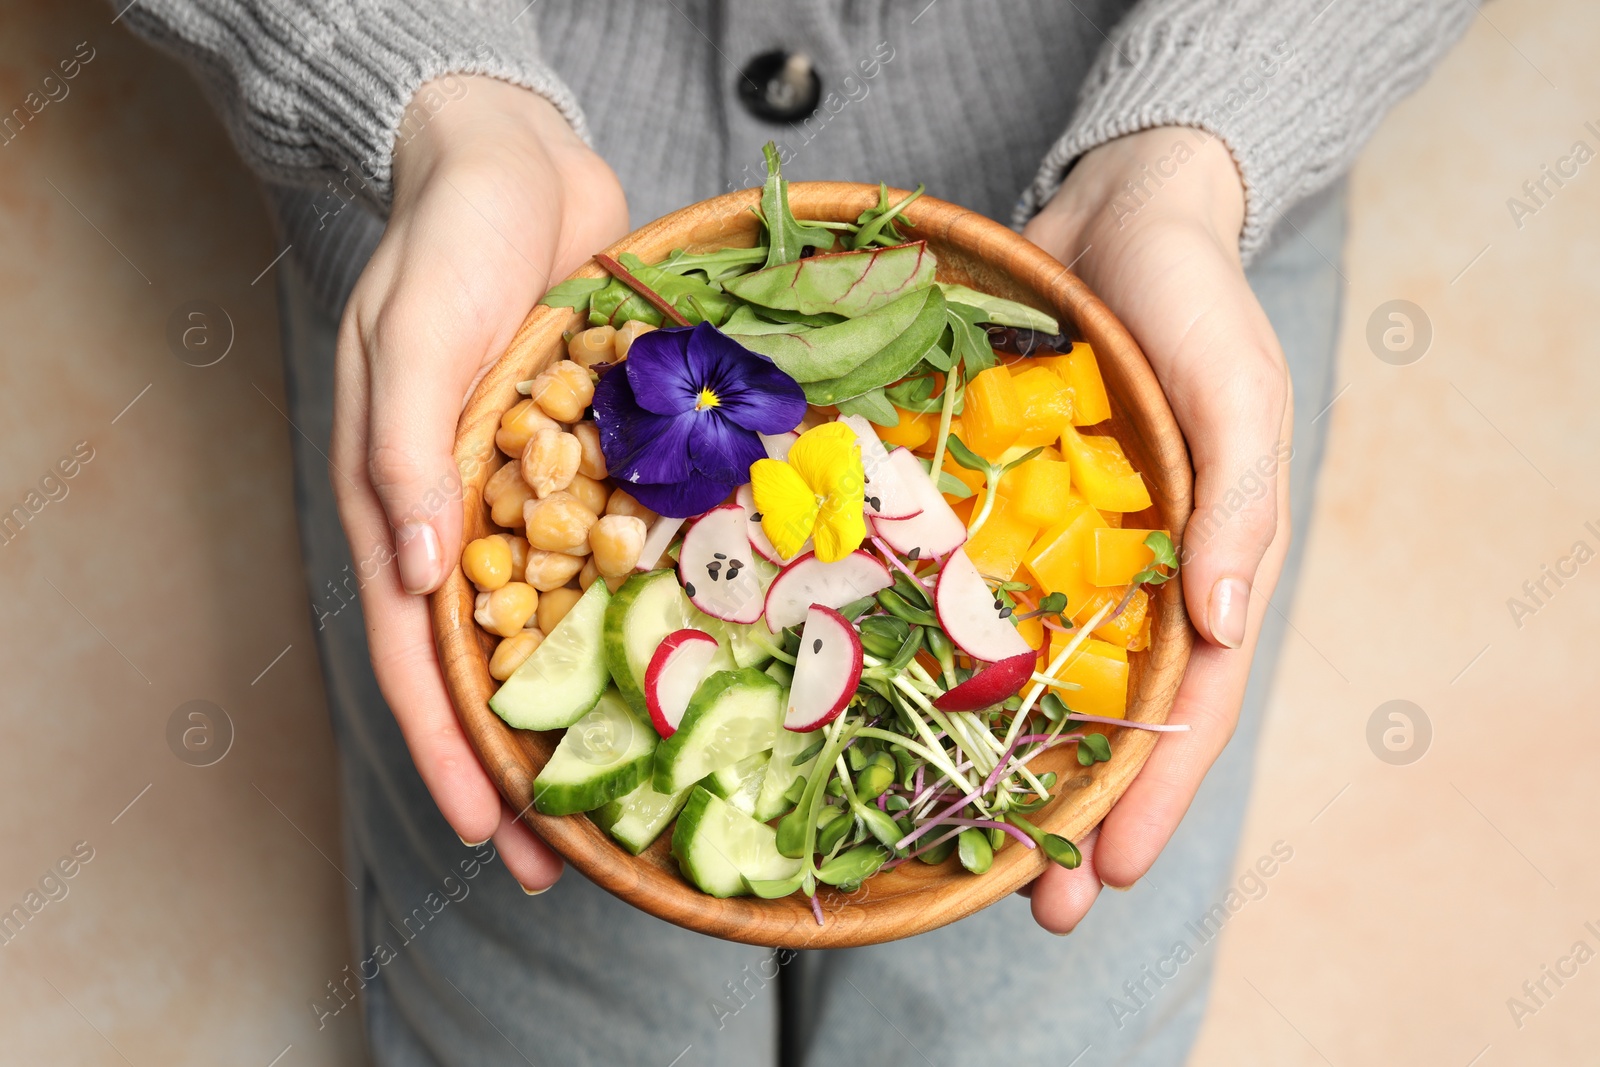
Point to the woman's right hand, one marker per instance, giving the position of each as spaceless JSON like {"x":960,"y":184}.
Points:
{"x":495,"y":199}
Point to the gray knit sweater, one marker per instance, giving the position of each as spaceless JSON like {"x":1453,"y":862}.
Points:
{"x":987,"y":101}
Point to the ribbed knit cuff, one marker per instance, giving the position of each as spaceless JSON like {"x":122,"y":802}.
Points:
{"x":318,"y":92}
{"x":1292,"y":87}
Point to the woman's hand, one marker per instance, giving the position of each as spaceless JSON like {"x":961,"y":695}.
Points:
{"x":1163,"y":253}
{"x":495,"y":199}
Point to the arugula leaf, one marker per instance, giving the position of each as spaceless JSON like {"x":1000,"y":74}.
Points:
{"x":786,"y":238}
{"x":877,"y":224}
{"x":999,"y":310}
{"x":723,"y":263}
{"x":969,"y":341}
{"x":873,"y":406}
{"x":574,"y":293}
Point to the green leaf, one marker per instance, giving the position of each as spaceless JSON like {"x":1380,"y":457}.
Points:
{"x":809,"y":752}
{"x":877,"y":224}
{"x":854,"y":866}
{"x":914,"y":394}
{"x":879,"y":825}
{"x":828,"y":353}
{"x":616,"y":304}
{"x":574,"y":293}
{"x":722,"y":263}
{"x":973,"y":846}
{"x":872,"y":406}
{"x":1093,"y":748}
{"x":948,"y":483}
{"x":695,"y":300}
{"x":941,"y":356}
{"x":1020,"y":460}
{"x":1053,"y":706}
{"x":969,"y":341}
{"x":841,"y":283}
{"x":999,"y":310}
{"x":1054,"y":604}
{"x":786,"y":238}
{"x":891,"y":362}
{"x":1166,"y":556}
{"x":966,"y":456}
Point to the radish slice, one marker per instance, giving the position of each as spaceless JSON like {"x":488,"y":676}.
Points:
{"x":991,"y":685}
{"x":934,"y":532}
{"x":888,"y":495}
{"x":778,"y":444}
{"x":662,"y":531}
{"x":808,"y":581}
{"x":825,"y":672}
{"x":718,"y":569}
{"x":746,"y":498}
{"x":675,"y":672}
{"x":971,"y":615}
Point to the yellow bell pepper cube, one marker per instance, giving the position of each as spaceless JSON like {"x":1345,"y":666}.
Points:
{"x":1124,"y":630}
{"x":998,"y":546}
{"x":913,"y":431}
{"x":1039,"y":490}
{"x":1046,"y":406}
{"x":1056,"y":557}
{"x":1115,"y":556}
{"x":1081,"y":372}
{"x":1101,"y":671}
{"x":1102,"y":473}
{"x":992,"y":413}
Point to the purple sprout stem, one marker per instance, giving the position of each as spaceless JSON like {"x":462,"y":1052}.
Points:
{"x":1163,"y":728}
{"x":816,"y":909}
{"x":990,"y":824}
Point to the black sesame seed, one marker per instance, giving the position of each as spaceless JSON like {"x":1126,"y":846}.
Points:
{"x":914,"y":553}
{"x":755,"y":516}
{"x":712,"y":569}
{"x":1005,"y":613}
{"x":719,"y":555}
{"x":999,"y":604}
{"x":688,"y":587}
{"x":816,"y":646}
{"x":875,"y":503}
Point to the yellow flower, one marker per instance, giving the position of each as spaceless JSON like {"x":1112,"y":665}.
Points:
{"x":816,"y":493}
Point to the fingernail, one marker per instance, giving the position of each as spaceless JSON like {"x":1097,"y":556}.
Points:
{"x":1230,"y":601}
{"x":419,"y":556}
{"x":472,"y":844}
{"x":534,"y":892}
{"x":1062,"y":933}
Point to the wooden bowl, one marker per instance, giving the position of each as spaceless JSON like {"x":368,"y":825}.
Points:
{"x":913,"y":897}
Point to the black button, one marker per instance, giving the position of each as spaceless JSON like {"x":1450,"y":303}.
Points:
{"x":780,"y":87}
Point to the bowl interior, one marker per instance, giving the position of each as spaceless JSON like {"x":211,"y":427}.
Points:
{"x":913,"y":897}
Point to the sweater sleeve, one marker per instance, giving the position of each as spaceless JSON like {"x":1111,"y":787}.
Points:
{"x":314,"y":91}
{"x":1292,"y":87}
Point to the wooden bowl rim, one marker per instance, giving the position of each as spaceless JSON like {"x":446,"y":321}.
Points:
{"x":931,"y":896}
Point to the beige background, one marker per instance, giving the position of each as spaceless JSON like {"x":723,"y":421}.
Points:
{"x":1418,"y":900}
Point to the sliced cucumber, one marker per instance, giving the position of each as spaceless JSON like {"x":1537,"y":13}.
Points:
{"x":640,"y":615}
{"x":637,"y":819}
{"x":740,"y":784}
{"x":782,"y":773}
{"x":732,"y":716}
{"x":739,"y":640}
{"x":718,"y":847}
{"x":603,"y":756}
{"x":563,"y":679}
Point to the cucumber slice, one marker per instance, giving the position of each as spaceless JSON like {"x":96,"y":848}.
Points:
{"x":640,"y":615}
{"x":718,"y":847}
{"x":603,"y":756}
{"x":736,"y":638}
{"x":782,"y":773}
{"x":563,"y":679}
{"x":740,"y":784}
{"x":637,"y":819}
{"x":732,"y":716}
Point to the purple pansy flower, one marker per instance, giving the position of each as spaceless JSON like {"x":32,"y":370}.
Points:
{"x":678,"y":421}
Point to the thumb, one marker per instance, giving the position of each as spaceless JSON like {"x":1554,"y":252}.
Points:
{"x":417,"y":386}
{"x":1240,"y":447}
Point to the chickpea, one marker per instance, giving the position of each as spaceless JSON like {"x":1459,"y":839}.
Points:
{"x":590,"y":493}
{"x":519,"y":551}
{"x":551,"y":570}
{"x":593,"y":464}
{"x":506,"y":610}
{"x":550,"y":460}
{"x":487,"y":563}
{"x":513,"y":652}
{"x":590,"y":574}
{"x":622,"y":502}
{"x":594,"y":345}
{"x":617,"y":541}
{"x":520,"y":423}
{"x":629,"y":333}
{"x":563,"y":391}
{"x":503,"y":478}
{"x":510,"y":505}
{"x":559,"y":523}
{"x":554,"y":605}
